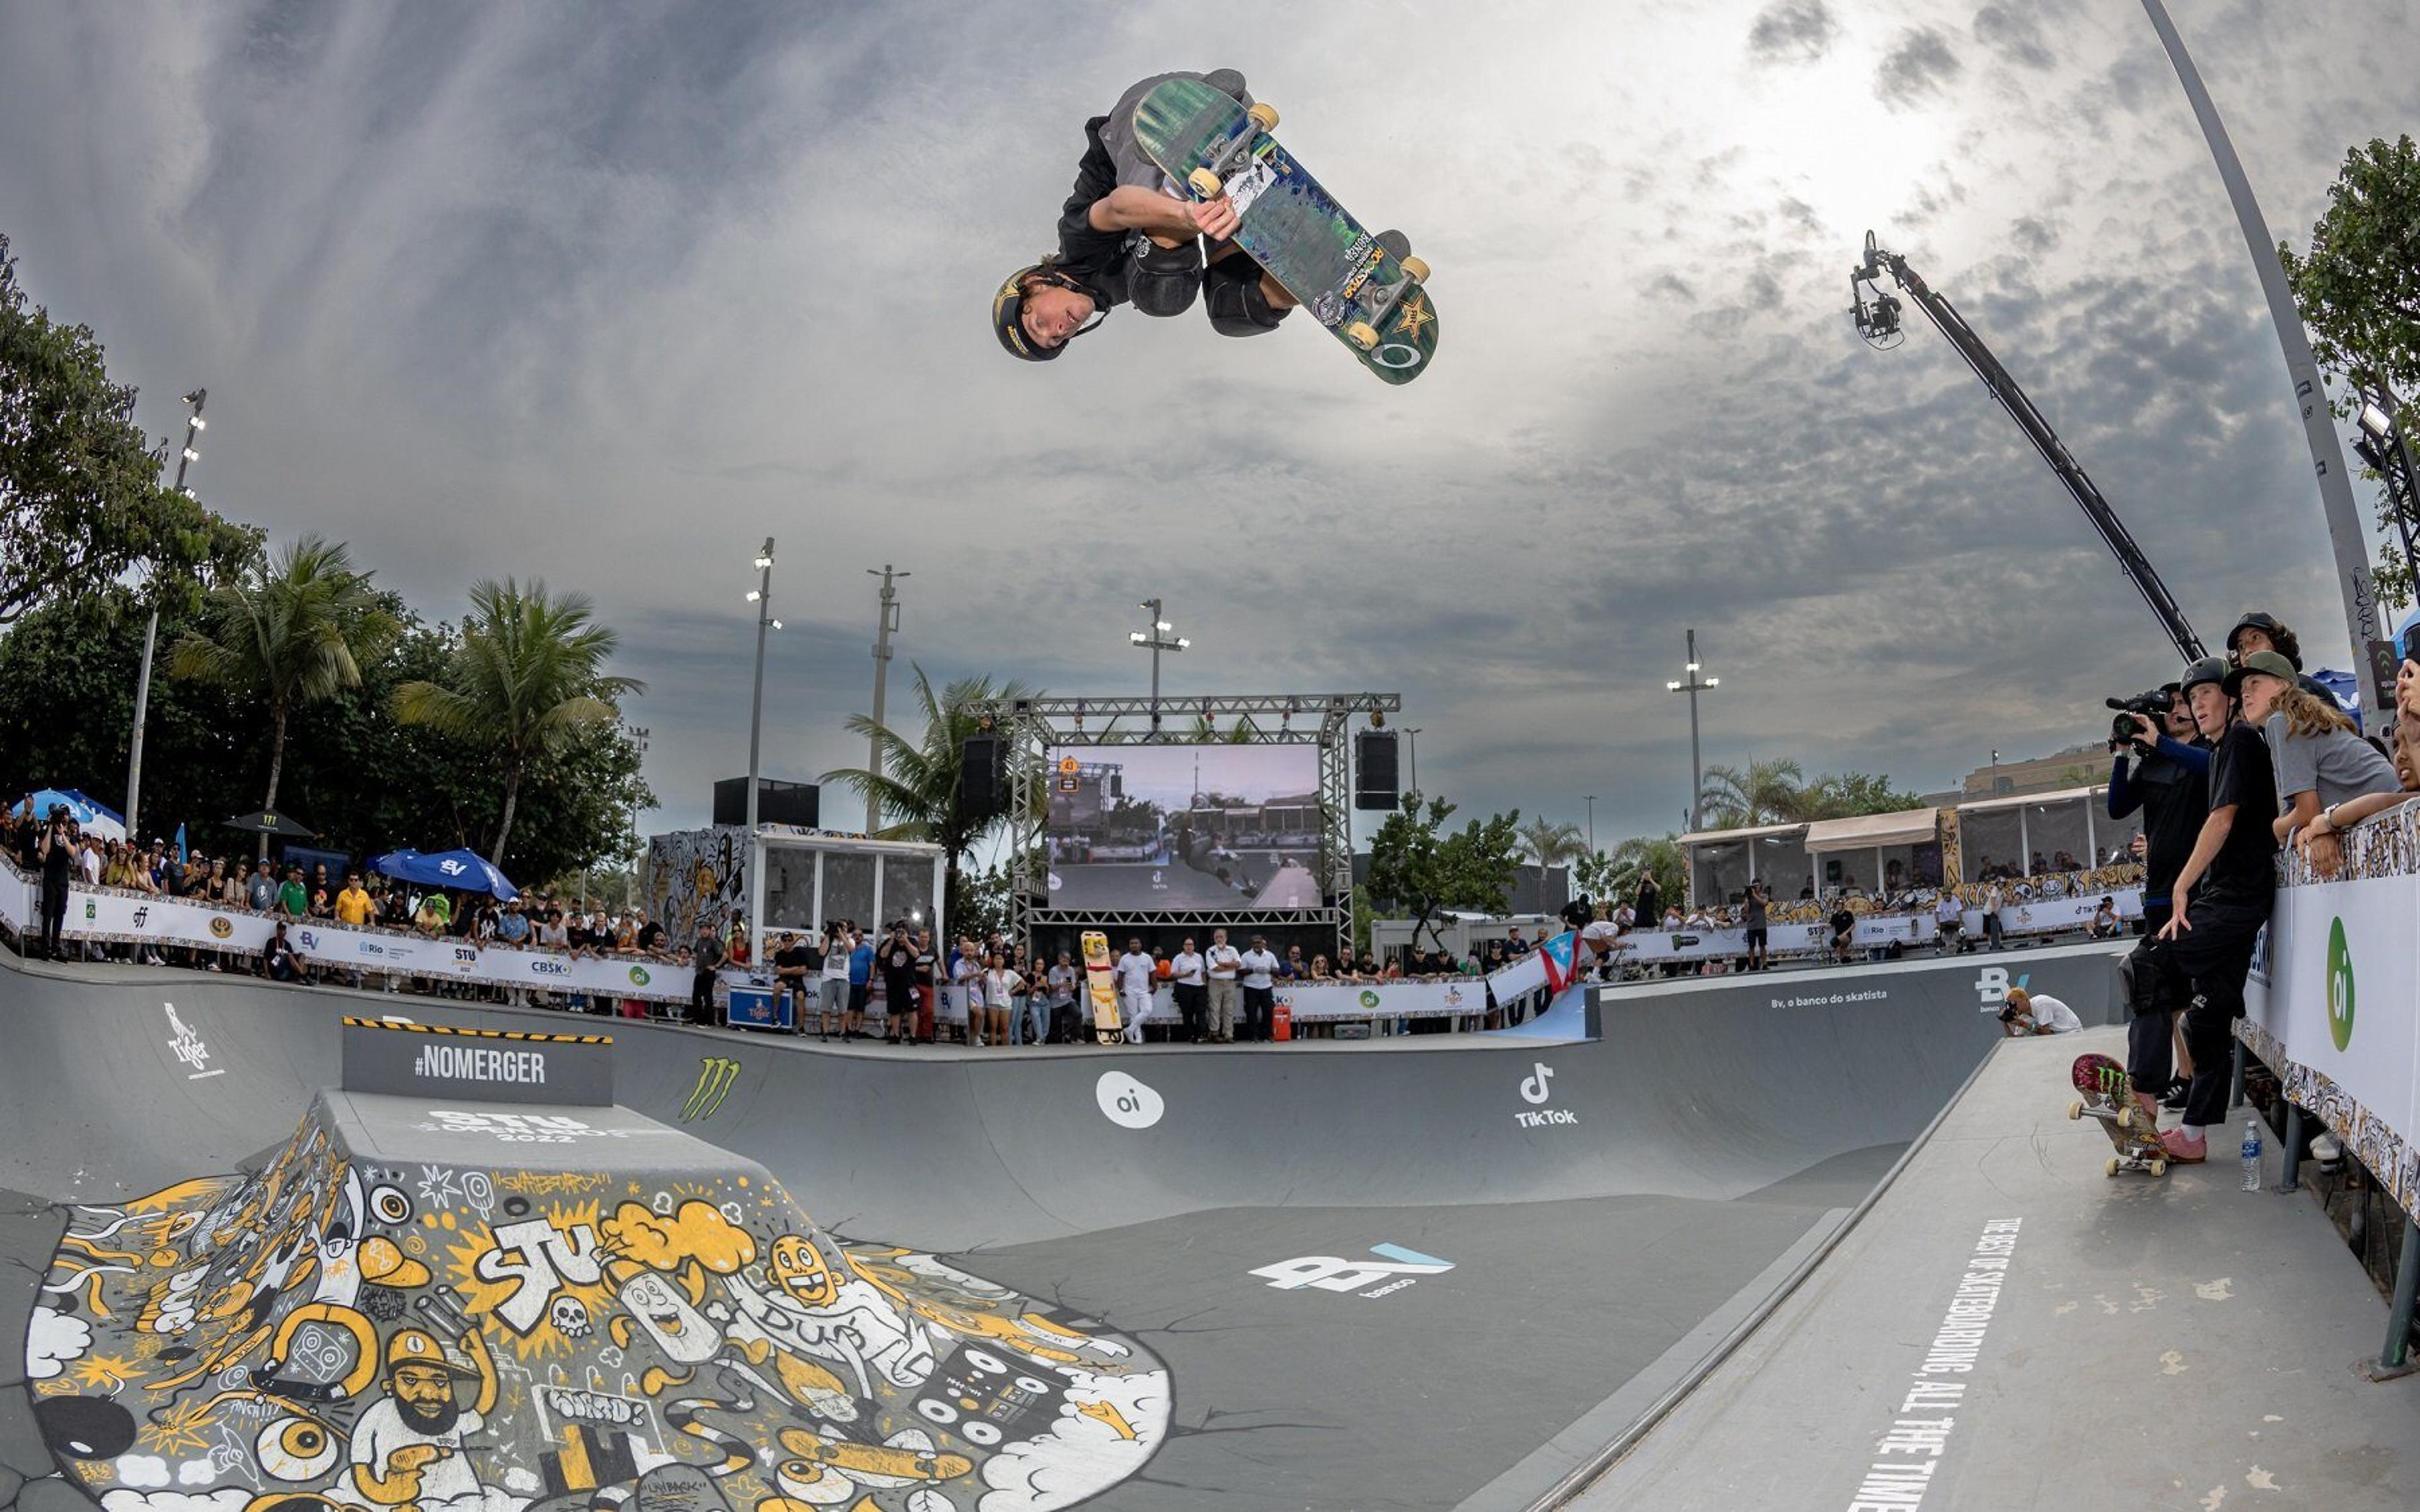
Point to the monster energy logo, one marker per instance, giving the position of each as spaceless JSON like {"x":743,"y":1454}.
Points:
{"x":2109,"y":1079}
{"x":715,"y":1075}
{"x":2339,"y":986}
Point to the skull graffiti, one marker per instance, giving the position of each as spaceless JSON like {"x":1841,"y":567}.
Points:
{"x":569,"y":1316}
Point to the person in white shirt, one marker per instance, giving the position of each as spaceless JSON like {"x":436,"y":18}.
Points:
{"x":1133,"y":971}
{"x":1189,"y":977}
{"x":2022,"y":1013}
{"x":1224,"y":964}
{"x":1001,"y":984}
{"x":834,"y":983}
{"x":1260,"y":988}
{"x":1065,"y":978}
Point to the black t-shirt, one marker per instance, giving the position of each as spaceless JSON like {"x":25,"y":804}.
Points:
{"x":1096,"y":260}
{"x":897,"y":961}
{"x":1843,"y":922}
{"x":2176,"y":800}
{"x":651,"y":936}
{"x":60,"y":863}
{"x":791,"y":960}
{"x":2239,"y":774}
{"x":923,"y":967}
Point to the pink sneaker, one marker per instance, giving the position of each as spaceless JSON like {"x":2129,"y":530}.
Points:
{"x":2184,"y":1151}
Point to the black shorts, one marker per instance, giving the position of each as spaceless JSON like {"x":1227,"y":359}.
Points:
{"x":2150,"y":1053}
{"x":857,"y":994}
{"x":1755,"y":936}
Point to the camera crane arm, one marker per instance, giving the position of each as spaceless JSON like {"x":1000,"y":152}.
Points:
{"x":1877,"y":314}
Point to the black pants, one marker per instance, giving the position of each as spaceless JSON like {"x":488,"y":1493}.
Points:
{"x":55,"y":916}
{"x":1259,"y":1002}
{"x":2215,"y":955}
{"x":701,"y":997}
{"x":1193,"y":1004}
{"x":2156,"y":990}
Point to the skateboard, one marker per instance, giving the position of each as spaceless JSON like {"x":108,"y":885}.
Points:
{"x":2104,"y":1096}
{"x":1374,"y":301}
{"x":1101,"y":982}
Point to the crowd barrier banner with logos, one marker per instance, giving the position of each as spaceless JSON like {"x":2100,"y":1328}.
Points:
{"x":2334,"y":1005}
{"x":138,"y":918}
{"x":1311,"y":1002}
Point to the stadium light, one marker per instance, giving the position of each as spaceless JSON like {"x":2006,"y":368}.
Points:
{"x":1693,"y":686}
{"x":194,"y":402}
{"x":1157,"y":639}
{"x":763,"y":599}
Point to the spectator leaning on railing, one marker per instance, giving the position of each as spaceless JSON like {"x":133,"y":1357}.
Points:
{"x":2318,"y":760}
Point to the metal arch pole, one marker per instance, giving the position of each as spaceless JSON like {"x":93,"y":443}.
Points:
{"x":2345,"y":534}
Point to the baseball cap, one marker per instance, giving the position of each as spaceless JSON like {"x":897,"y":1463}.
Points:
{"x":2266,"y":662}
{"x":417,"y":1346}
{"x":2208,"y":670}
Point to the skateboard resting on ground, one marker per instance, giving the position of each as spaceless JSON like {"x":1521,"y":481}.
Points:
{"x":1373,"y":299}
{"x":2104,"y":1095}
{"x":1100,"y":983}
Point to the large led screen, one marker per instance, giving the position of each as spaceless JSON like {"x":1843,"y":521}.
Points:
{"x":1205,"y":827}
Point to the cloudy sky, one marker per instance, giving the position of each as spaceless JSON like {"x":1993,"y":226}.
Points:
{"x":606,"y":294}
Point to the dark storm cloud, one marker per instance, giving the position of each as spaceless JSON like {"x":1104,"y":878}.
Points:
{"x":1919,"y":66}
{"x":1793,"y":31}
{"x":2015,"y":33}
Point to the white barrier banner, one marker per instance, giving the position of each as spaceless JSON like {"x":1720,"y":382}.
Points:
{"x":140,"y":918}
{"x":2339,"y":1019}
{"x":1311,"y":1002}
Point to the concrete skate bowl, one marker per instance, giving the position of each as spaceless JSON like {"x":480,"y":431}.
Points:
{"x":1398,"y":1278}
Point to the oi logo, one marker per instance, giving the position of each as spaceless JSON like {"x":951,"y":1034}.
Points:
{"x":2341,"y":992}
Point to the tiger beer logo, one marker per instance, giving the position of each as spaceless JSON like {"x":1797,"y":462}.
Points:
{"x":715,"y":1075}
{"x":2340,"y":991}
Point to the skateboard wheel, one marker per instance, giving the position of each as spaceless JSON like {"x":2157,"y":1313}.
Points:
{"x":1264,"y":115}
{"x":2110,"y":1169}
{"x":1361,"y":333}
{"x":2075,"y":1110}
{"x":1415,"y":270}
{"x":1205,"y":183}
{"x":2126,"y":1116}
{"x":2159,"y":1167}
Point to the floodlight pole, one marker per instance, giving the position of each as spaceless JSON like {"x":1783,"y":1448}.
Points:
{"x":194,"y":427}
{"x":764,"y":621}
{"x":638,"y":845}
{"x":2344,"y":533}
{"x":1693,"y":686}
{"x":1591,"y":800}
{"x":1161,"y":637}
{"x":886,"y":621}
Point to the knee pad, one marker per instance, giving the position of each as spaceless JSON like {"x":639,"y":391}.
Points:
{"x":1232,"y":297}
{"x":1163,"y":279}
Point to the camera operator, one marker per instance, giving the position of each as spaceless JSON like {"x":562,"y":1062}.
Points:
{"x":2162,"y":770}
{"x":56,"y":850}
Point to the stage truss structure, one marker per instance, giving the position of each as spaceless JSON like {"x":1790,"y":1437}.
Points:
{"x":1032,"y":725}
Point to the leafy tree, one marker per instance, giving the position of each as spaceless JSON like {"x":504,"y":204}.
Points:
{"x":1552,"y":842}
{"x":983,"y":904}
{"x":525,"y":681}
{"x":81,"y":500}
{"x":919,"y":780}
{"x":1766,"y":793}
{"x":1418,"y":869}
{"x":2359,"y":293}
{"x":1847,"y":794}
{"x":293,"y":629}
{"x":1612,"y":876}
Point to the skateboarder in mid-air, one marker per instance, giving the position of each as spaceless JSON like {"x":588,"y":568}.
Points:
{"x":1125,"y":239}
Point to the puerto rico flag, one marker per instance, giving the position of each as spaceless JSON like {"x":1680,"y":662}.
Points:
{"x":1556,"y":956}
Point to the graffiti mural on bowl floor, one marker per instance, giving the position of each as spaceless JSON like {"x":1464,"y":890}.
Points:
{"x":341,"y":1331}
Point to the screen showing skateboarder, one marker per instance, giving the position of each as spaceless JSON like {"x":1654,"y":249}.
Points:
{"x":1183,"y":827}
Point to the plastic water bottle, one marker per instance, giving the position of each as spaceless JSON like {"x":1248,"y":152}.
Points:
{"x":2252,"y":1154}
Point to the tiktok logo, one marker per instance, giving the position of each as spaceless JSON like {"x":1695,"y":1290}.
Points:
{"x":1535,"y":1091}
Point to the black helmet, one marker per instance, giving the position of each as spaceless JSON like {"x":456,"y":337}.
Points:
{"x":2208,"y":670}
{"x":2288,"y":645}
{"x":1008,"y":310}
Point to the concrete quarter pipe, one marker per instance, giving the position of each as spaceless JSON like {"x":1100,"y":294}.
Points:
{"x":1332,"y":1278}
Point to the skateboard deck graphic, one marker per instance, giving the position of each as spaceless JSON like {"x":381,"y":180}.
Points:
{"x":2104,"y":1096}
{"x":1374,"y":302}
{"x":1100,"y":982}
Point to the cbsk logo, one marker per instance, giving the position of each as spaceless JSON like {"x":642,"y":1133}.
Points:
{"x":1399,"y":1268}
{"x":1992,"y":986}
{"x":547,"y":967}
{"x":2339,"y":986}
{"x":1534,"y":1090}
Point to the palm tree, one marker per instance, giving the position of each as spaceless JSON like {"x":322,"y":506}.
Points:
{"x":524,"y":682}
{"x":1621,"y":869}
{"x":291,"y":630}
{"x":1768,"y":792}
{"x":918,"y":779}
{"x":1553,"y":842}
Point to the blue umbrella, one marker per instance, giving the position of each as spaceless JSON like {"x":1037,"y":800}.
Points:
{"x":465,"y":871}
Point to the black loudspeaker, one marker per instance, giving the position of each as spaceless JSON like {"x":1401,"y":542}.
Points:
{"x":982,"y":782}
{"x":1373,"y":771}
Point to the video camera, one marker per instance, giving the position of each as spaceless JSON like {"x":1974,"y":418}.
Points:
{"x":2155,"y":704}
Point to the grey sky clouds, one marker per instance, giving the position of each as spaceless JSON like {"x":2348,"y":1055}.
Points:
{"x":608,"y":294}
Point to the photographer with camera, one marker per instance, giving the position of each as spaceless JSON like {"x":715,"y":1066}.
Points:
{"x":2161,"y":771}
{"x":56,"y":851}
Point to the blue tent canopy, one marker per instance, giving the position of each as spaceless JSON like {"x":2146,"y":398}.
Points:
{"x":464,"y":871}
{"x":87,"y":813}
